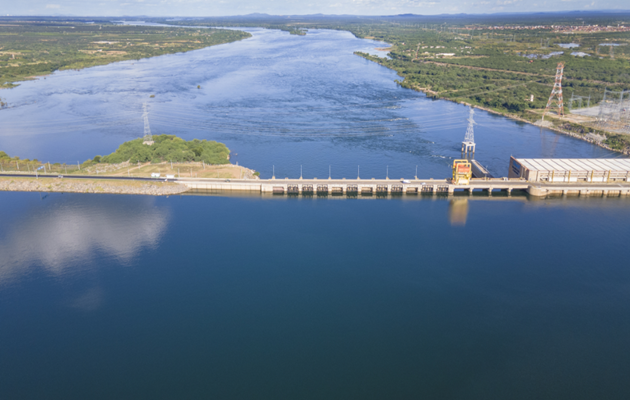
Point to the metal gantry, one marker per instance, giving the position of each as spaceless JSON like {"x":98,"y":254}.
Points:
{"x":468,"y":145}
{"x":579,"y":100}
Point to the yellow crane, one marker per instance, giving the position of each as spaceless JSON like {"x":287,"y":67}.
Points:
{"x":462,"y":172}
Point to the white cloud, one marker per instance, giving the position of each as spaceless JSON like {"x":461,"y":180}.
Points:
{"x":53,"y":6}
{"x":61,"y":239}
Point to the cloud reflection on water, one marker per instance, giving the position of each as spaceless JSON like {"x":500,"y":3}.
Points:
{"x":90,"y":300}
{"x":66,"y":235}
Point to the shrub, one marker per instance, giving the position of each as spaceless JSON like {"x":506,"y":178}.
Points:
{"x":169,"y":148}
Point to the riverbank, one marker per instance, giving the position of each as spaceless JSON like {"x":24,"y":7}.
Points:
{"x":624,"y":149}
{"x":35,"y":49}
{"x":551,"y":127}
{"x":55,"y":184}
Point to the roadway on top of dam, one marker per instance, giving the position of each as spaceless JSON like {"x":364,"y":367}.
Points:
{"x":410,"y":186}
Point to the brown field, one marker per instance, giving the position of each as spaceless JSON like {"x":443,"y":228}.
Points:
{"x":183,"y":170}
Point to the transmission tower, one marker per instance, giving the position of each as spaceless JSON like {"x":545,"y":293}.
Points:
{"x":614,"y":111}
{"x":148,"y":138}
{"x":556,"y":92}
{"x":468,"y":145}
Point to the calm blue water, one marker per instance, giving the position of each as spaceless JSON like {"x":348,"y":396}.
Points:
{"x":105,"y":296}
{"x":126,"y":297}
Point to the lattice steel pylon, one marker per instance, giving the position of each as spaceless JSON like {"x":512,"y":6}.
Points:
{"x":556,"y":92}
{"x":148,"y":138}
{"x":468,"y":145}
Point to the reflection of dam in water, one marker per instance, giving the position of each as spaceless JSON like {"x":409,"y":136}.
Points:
{"x":458,"y":212}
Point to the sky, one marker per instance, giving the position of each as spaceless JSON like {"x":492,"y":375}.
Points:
{"x":203,"y":8}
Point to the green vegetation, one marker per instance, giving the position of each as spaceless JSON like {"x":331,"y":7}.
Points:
{"x":40,"y":47}
{"x":8,"y":163}
{"x":167,"y":148}
{"x":4,"y":157}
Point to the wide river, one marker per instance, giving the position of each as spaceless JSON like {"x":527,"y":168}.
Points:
{"x":187,"y":297}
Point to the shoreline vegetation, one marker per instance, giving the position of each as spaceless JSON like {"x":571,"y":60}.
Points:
{"x":34,"y":47}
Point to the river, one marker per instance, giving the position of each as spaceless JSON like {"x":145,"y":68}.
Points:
{"x":278,"y":101}
{"x":111,"y":296}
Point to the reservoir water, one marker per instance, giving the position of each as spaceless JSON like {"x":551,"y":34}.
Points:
{"x":126,"y":297}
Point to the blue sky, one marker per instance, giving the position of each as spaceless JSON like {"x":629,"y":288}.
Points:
{"x":285,"y":7}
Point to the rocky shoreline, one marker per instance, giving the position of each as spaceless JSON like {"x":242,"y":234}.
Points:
{"x":90,"y":186}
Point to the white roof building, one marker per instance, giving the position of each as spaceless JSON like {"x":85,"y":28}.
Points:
{"x":570,"y":169}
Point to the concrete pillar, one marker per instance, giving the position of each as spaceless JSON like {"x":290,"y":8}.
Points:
{"x":536,"y":191}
